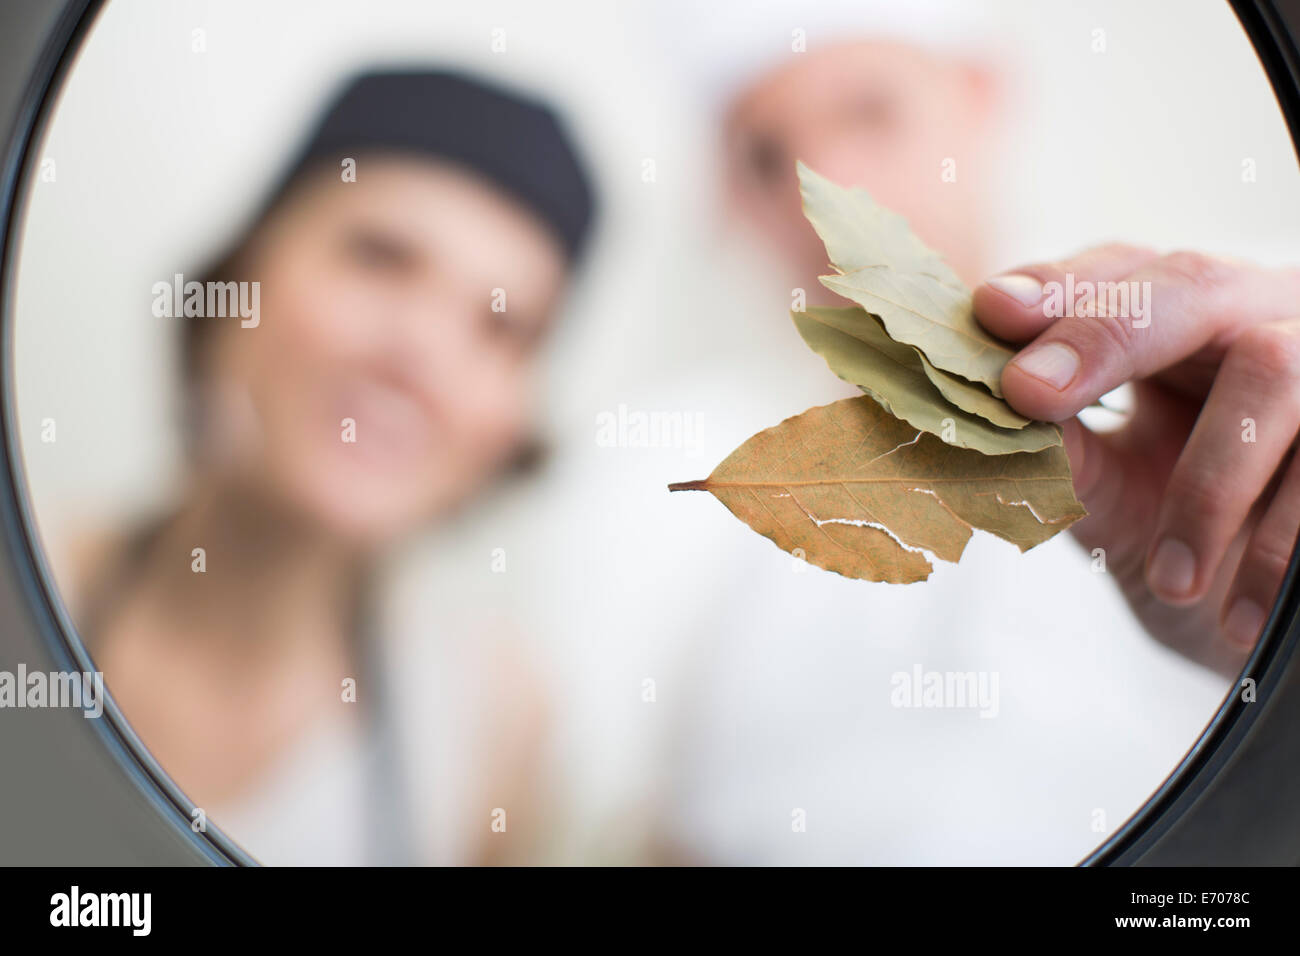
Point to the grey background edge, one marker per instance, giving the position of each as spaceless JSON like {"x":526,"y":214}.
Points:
{"x":72,"y":792}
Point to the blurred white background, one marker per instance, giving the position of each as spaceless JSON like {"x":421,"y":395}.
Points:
{"x":772,"y":681}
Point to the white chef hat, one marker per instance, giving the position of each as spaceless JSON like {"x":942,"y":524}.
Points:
{"x":723,"y":46}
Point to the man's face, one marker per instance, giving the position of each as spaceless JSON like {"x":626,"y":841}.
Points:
{"x":907,"y":125}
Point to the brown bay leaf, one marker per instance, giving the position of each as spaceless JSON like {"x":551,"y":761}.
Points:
{"x":865,"y":494}
{"x":859,"y":350}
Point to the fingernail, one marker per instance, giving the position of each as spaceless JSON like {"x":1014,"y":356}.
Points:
{"x":1053,"y":363}
{"x":1024,"y":289}
{"x":1173,"y":570}
{"x":1244,"y":622}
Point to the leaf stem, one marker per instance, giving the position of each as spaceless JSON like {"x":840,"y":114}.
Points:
{"x":699,"y":484}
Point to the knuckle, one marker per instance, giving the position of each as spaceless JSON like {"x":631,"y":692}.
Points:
{"x":1110,"y":334}
{"x":1270,"y":554}
{"x":1268,"y":351}
{"x":1118,"y":250}
{"x":1198,"y":496}
{"x":1202,"y":273}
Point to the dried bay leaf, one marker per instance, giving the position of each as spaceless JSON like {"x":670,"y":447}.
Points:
{"x":885,"y":267}
{"x":973,"y":398}
{"x":936,"y":318}
{"x":965,"y":394}
{"x":873,"y":487}
{"x":864,"y":494}
{"x":858,"y":350}
{"x":858,"y":232}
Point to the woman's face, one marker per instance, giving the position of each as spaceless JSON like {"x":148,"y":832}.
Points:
{"x":389,"y":372}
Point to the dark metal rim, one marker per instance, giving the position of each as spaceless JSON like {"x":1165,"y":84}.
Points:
{"x":1207,"y":762}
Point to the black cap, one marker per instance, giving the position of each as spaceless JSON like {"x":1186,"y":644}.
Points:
{"x":513,"y":141}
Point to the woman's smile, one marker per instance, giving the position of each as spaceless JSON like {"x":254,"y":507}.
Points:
{"x":389,"y":424}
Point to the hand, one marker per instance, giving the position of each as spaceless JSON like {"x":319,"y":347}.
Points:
{"x":1196,"y":500}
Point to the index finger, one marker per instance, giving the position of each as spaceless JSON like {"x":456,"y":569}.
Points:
{"x":1010,"y":305}
{"x":1100,"y":333}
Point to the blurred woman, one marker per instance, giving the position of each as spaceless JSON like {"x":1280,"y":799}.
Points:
{"x":407,"y":267}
